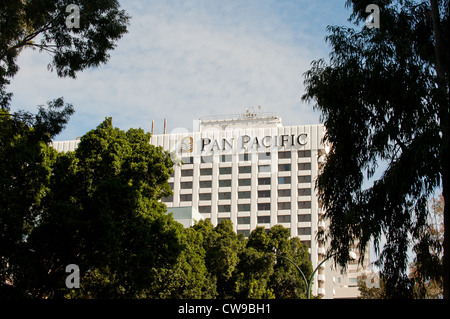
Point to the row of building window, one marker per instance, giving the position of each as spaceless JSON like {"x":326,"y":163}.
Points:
{"x":261,"y":206}
{"x":280,"y":219}
{"x":261,"y":194}
{"x":243,"y":194}
{"x":246,"y":169}
{"x":245,"y":157}
{"x":246,"y":233}
{"x":247,"y":207}
{"x":246,"y":182}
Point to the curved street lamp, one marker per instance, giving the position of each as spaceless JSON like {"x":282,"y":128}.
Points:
{"x":308,"y":283}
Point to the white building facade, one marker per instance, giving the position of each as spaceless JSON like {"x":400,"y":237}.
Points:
{"x":254,"y":171}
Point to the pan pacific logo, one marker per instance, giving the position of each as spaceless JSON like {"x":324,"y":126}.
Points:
{"x":187,"y":144}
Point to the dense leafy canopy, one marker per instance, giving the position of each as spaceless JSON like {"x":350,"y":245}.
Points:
{"x":25,"y":173}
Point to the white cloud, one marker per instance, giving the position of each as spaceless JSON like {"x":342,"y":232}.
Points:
{"x":185,"y":59}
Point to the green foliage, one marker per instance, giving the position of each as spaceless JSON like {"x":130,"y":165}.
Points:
{"x":384,"y":98}
{"x":25,"y":178}
{"x":100,"y":209}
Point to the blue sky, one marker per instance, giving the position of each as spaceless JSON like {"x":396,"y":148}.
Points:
{"x":185,"y":59}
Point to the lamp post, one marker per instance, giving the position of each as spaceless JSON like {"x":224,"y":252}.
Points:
{"x":308,"y":283}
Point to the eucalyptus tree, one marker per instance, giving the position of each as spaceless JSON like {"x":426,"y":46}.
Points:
{"x":383,"y":96}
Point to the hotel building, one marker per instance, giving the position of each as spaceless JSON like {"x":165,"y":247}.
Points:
{"x":254,"y":171}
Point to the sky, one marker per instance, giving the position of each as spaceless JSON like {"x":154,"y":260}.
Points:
{"x":185,"y":59}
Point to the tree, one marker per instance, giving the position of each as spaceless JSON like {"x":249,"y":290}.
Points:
{"x":249,"y":268}
{"x":101,"y":211}
{"x":283,"y":279}
{"x":286,"y":280}
{"x":42,"y":25}
{"x":189,"y":277}
{"x":222,"y":250}
{"x":426,"y":270}
{"x":373,"y":292}
{"x":384,"y":98}
{"x":25,"y":174}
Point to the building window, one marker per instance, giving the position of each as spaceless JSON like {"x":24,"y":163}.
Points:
{"x":226,"y":195}
{"x":225,"y":183}
{"x":219,"y":220}
{"x":284,"y":193}
{"x":242,"y":195}
{"x":304,"y":179}
{"x":263,"y":219}
{"x":264,"y":194}
{"x":224,"y":208}
{"x":204,"y":196}
{"x":264,"y":181}
{"x":304,"y":191}
{"x":284,"y":219}
{"x":243,"y":207}
{"x":306,"y":242}
{"x":167,"y":199}
{"x":304,"y":166}
{"x":286,"y":205}
{"x":245,"y":157}
{"x":245,"y":169}
{"x":263,"y":206}
{"x":304,"y":230}
{"x":304,"y":153}
{"x":284,"y":154}
{"x":187,"y":172}
{"x":204,"y":209}
{"x":264,"y":156}
{"x":205,"y":184}
{"x":245,"y":232}
{"x":205,"y":171}
{"x":264,"y":168}
{"x":206,"y":159}
{"x":225,"y":170}
{"x":186,"y":198}
{"x":304,"y":218}
{"x":284,"y":180}
{"x":243,"y":220}
{"x":186,"y":185}
{"x":171,"y":186}
{"x":284,"y":167}
{"x":188,"y":160}
{"x":245,"y":182}
{"x":305,"y":204}
{"x":353,"y":281}
{"x":226,"y":158}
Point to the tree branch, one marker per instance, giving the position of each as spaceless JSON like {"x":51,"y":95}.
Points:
{"x":26,"y":39}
